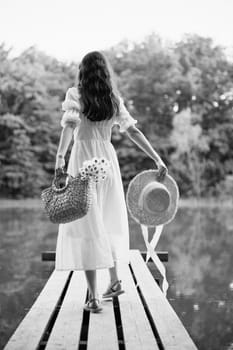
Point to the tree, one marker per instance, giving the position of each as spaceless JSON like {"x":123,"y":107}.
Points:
{"x":190,"y":147}
{"x":167,"y":88}
{"x":32,"y":88}
{"x":21,"y":173}
{"x":207,"y":91}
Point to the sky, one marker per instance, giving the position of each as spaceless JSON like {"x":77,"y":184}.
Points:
{"x":68,"y":29}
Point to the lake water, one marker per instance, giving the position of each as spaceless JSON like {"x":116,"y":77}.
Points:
{"x":200,"y":269}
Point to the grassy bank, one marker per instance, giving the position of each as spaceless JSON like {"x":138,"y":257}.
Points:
{"x":33,"y":203}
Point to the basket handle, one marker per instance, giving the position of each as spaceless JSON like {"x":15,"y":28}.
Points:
{"x":60,"y":177}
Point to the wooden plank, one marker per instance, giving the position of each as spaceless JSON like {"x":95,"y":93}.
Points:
{"x":50,"y":255}
{"x":171,"y":331}
{"x":102,"y":329}
{"x":30,"y":330}
{"x":66,"y":331}
{"x":137,"y":330}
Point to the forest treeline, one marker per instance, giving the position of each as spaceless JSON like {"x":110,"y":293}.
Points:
{"x":181,"y":94}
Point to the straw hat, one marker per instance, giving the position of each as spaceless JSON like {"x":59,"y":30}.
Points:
{"x":151,"y":202}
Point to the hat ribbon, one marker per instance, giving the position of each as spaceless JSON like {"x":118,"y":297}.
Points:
{"x":150,"y":246}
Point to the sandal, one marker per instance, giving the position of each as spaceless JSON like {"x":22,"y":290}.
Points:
{"x":93,"y":305}
{"x":113,"y":290}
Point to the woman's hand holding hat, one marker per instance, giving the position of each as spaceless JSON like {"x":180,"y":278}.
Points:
{"x":151,"y":202}
{"x":162,"y":170}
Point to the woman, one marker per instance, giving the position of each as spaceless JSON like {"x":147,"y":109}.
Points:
{"x":101,"y":238}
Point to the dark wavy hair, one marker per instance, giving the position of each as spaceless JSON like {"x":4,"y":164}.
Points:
{"x":97,"y":88}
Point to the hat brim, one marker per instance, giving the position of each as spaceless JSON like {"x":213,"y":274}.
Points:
{"x":132,"y":196}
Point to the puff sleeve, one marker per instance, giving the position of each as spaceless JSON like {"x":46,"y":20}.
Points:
{"x":124,"y":119}
{"x":71,"y":108}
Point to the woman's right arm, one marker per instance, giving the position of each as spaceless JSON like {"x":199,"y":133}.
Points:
{"x":139,"y":139}
{"x":69,"y":121}
{"x":65,"y":139}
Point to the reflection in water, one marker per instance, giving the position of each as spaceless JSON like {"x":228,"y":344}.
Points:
{"x":199,"y":271}
{"x":23,"y":235}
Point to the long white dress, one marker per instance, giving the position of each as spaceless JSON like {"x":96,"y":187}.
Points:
{"x":102,"y":236}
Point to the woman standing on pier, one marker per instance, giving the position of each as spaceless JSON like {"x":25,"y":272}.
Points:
{"x":101,"y":238}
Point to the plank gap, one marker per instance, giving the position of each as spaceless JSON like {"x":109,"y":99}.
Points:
{"x":119,"y":327}
{"x":84,"y":328}
{"x":51,"y":322}
{"x":147,"y":311}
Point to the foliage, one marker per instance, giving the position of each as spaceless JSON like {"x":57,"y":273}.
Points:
{"x":32,"y":88}
{"x":181,"y":95}
{"x":160,"y":82}
{"x":20,"y":168}
{"x":190,"y":147}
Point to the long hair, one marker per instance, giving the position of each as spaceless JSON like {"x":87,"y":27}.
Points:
{"x":97,"y":87}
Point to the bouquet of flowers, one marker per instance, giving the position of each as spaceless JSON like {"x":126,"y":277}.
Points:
{"x":96,"y":168}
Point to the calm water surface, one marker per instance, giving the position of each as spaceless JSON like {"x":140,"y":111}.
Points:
{"x":199,"y":271}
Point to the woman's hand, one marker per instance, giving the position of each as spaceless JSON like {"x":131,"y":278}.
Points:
{"x":138,"y":137}
{"x":162,"y":170}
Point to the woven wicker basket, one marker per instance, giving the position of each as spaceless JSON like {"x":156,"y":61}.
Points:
{"x":70,"y":202}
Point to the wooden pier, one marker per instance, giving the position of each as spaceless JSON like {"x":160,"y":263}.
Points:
{"x":140,"y":319}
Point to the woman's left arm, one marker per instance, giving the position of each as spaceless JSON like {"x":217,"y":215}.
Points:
{"x":65,"y":139}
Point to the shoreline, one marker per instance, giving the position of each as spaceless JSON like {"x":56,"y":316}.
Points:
{"x":35,"y":203}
